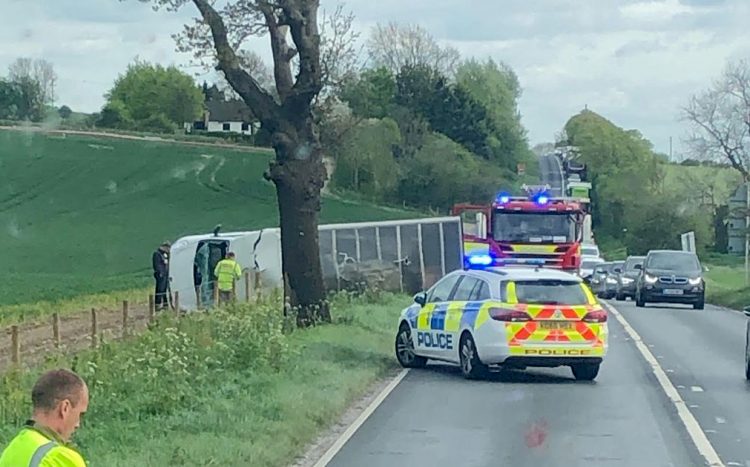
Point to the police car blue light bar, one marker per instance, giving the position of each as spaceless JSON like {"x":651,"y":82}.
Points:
{"x":480,"y":260}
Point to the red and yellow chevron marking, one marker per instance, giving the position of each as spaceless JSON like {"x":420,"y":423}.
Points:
{"x":579,"y":332}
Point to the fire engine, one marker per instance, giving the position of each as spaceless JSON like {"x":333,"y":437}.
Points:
{"x":533,"y":230}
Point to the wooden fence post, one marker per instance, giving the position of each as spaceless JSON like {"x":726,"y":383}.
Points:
{"x":151,"y":308}
{"x":198,"y":298}
{"x":247,"y":286}
{"x":125,"y":312}
{"x":216,"y":294}
{"x":56,"y":329}
{"x":94,"y":330}
{"x":177,"y":302}
{"x":16,"y":343}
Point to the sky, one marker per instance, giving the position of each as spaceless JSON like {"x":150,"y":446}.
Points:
{"x":635,"y":62}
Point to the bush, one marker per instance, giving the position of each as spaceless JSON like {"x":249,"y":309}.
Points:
{"x":115,"y":115}
{"x":157,"y":123}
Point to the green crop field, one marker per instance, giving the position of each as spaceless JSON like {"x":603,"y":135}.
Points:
{"x":82,"y":215}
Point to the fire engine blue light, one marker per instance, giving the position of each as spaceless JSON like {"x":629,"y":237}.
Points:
{"x":503,"y":198}
{"x":480,"y":260}
{"x":542,"y":199}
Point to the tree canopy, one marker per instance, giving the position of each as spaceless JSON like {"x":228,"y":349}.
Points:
{"x":148,"y":93}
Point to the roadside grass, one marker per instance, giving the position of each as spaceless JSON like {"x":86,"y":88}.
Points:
{"x":725,"y":284}
{"x":81,"y":215}
{"x":231,"y":387}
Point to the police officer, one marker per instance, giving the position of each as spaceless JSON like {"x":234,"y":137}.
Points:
{"x":226,"y":272}
{"x":59,"y":400}
{"x":160,"y":263}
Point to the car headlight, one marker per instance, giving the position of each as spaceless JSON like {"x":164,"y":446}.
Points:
{"x":650,"y":279}
{"x":695,"y":281}
{"x":627,"y":280}
{"x":611,"y":280}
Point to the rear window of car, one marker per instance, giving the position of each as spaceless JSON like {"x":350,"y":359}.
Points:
{"x":589,"y":251}
{"x":550,"y":292}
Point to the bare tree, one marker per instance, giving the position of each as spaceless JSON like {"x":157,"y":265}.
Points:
{"x":339,"y":52}
{"x":394,"y":46}
{"x":38,"y":71}
{"x":298,"y":170}
{"x":720,"y":119}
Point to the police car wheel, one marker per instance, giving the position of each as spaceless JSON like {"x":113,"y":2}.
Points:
{"x":405,"y":354}
{"x":471,"y":366}
{"x":585,"y":371}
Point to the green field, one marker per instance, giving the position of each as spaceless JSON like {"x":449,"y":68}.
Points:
{"x":81,"y":215}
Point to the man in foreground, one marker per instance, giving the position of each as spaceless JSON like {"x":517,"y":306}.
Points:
{"x":59,"y":400}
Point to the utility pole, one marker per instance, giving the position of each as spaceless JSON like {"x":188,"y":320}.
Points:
{"x":670,"y":149}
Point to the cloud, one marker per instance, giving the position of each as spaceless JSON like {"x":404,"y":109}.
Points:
{"x":635,"y":61}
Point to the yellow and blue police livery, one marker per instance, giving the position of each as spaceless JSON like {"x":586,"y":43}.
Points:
{"x":514,"y":317}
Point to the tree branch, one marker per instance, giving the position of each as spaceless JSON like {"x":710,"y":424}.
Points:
{"x":282,"y":53}
{"x":260,"y":101}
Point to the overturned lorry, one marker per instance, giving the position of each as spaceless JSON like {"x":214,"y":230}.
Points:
{"x":400,"y":256}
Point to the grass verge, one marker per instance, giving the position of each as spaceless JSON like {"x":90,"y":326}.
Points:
{"x":725,"y":285}
{"x":233,"y":387}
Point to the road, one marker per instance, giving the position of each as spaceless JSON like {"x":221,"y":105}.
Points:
{"x":550,"y":171}
{"x":543,"y":417}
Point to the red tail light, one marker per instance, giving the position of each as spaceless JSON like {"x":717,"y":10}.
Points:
{"x":503,"y":314}
{"x":596,"y":316}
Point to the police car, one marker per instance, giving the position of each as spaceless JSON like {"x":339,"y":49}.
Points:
{"x":513,"y":317}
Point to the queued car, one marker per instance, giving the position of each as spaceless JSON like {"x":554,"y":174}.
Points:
{"x":510,"y":317}
{"x":671,"y":276}
{"x":603,"y":281}
{"x":626,"y":279}
{"x":588,"y":264}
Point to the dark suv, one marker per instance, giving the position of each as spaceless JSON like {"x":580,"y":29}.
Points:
{"x":670,"y":276}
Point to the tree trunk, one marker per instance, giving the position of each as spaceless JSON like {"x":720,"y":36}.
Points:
{"x":299,"y":173}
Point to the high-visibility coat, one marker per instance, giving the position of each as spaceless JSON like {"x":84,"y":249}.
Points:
{"x":34,"y":447}
{"x":226,"y":272}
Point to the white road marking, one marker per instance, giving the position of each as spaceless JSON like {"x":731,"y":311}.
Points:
{"x":694,"y":406}
{"x":346,"y":435}
{"x":680,"y":386}
{"x":669,"y":370}
{"x":721,"y":420}
{"x":697,"y":435}
{"x":696,"y":388}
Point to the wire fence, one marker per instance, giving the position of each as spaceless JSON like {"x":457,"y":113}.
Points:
{"x":28,"y":343}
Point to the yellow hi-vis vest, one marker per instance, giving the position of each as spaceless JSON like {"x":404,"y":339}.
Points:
{"x":226,"y":271}
{"x":30,"y":448}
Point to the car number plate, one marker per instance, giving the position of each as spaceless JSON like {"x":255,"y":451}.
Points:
{"x":673,"y":291}
{"x":556,"y":325}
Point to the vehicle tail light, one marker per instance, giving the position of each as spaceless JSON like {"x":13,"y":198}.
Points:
{"x":596,"y":316}
{"x":504,"y":314}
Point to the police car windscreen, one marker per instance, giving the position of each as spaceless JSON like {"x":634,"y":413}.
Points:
{"x":526,"y":227}
{"x":550,"y":293}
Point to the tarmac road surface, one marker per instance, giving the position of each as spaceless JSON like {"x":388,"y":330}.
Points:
{"x":543,"y":417}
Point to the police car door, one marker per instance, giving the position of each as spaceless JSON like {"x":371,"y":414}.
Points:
{"x":462,"y":296}
{"x":429,"y":336}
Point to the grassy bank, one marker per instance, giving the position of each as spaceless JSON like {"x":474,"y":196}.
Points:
{"x":725,"y":282}
{"x":233,"y":387}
